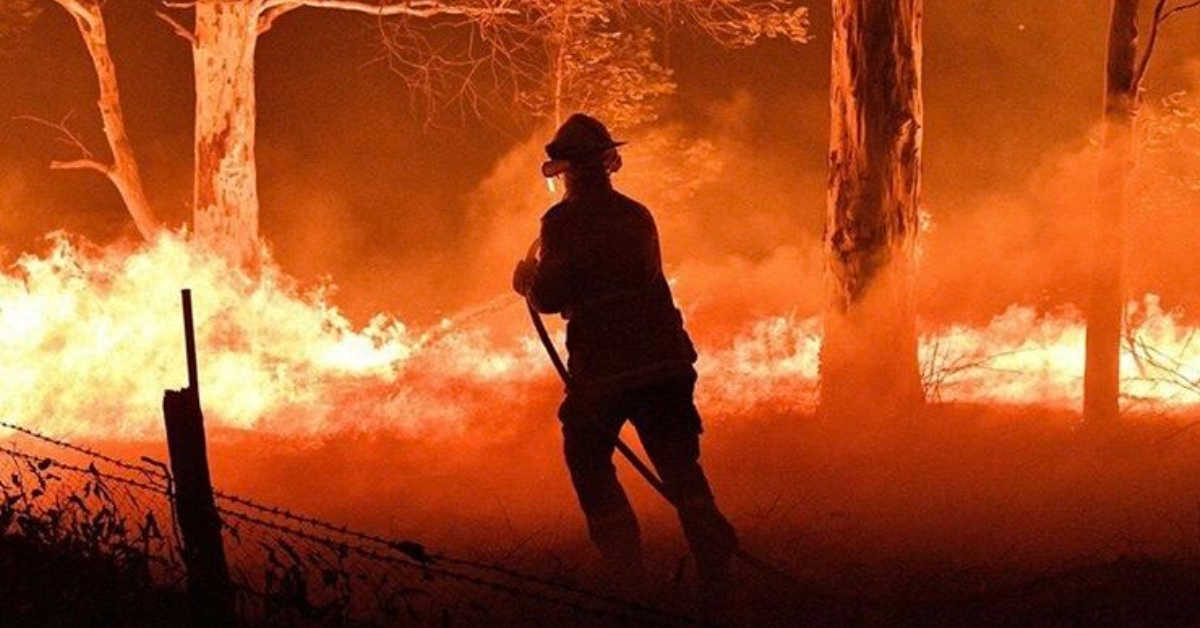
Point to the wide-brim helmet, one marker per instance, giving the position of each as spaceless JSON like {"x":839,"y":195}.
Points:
{"x":581,"y":139}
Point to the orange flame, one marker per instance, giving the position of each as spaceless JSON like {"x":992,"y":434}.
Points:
{"x":92,"y":336}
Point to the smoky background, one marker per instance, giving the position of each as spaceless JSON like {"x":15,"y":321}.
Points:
{"x":423,"y":218}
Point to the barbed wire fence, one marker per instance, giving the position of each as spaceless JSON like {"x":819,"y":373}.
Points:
{"x":69,"y":523}
{"x":286,"y":568}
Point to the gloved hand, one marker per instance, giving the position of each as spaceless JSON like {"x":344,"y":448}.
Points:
{"x":523,"y":274}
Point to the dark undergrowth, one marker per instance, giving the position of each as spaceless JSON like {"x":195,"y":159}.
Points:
{"x":42,"y":585}
{"x":1126,"y":592}
{"x":964,"y":515}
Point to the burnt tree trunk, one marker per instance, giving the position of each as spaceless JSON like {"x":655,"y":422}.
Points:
{"x":869,"y":353}
{"x":209,"y":588}
{"x":123,"y":172}
{"x":1101,"y":381}
{"x":226,"y":183}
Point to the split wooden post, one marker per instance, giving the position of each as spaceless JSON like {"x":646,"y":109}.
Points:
{"x":208,"y":581}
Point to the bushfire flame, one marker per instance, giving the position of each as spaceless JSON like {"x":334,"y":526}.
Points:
{"x":91,"y":336}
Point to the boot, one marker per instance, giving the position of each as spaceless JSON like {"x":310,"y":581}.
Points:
{"x":618,"y":538}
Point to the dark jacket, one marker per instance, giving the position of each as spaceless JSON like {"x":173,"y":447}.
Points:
{"x":601,"y":268}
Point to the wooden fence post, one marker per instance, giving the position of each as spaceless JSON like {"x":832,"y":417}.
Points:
{"x":208,"y":581}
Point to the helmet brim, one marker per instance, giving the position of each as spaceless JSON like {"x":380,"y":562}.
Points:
{"x":555,"y":167}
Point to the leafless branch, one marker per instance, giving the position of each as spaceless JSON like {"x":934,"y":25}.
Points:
{"x":413,"y":8}
{"x":179,"y":29}
{"x":483,"y":53}
{"x":122,"y":170}
{"x":436,"y":72}
{"x":939,"y":369}
{"x":76,"y":9}
{"x":1161,"y":15}
{"x":267,"y":18}
{"x":81,"y":164}
{"x":1170,"y":370}
{"x":65,"y":134}
{"x":732,"y":23}
{"x":70,"y":138}
{"x":1183,"y":7}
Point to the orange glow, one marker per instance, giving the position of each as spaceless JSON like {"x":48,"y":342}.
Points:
{"x":346,"y":197}
{"x":95,"y":337}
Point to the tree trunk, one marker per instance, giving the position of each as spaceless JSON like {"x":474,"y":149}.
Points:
{"x":1101,"y":383}
{"x":226,"y":184}
{"x":870,"y":339}
{"x":124,"y":172}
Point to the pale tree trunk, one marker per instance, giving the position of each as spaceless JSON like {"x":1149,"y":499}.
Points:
{"x":1101,"y":383}
{"x":869,"y":352}
{"x":226,"y":185}
{"x":223,"y":40}
{"x":124,"y":172}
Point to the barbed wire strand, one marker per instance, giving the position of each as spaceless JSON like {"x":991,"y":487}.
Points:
{"x":399,"y":545}
{"x":42,"y":464}
{"x":88,"y":470}
{"x":440,"y":571}
{"x":342,"y":529}
{"x":116,"y":462}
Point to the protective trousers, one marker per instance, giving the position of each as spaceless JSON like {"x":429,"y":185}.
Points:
{"x":668,"y":425}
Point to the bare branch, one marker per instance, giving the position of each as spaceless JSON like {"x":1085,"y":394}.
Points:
{"x":179,"y":29}
{"x":732,"y":23}
{"x":268,"y":16}
{"x":467,"y":63}
{"x":76,"y":9}
{"x":414,"y":8}
{"x":1183,"y":7}
{"x":70,"y":138}
{"x":1144,"y":62}
{"x":1161,"y":15}
{"x":65,"y":134}
{"x":82,"y":164}
{"x":123,"y":170}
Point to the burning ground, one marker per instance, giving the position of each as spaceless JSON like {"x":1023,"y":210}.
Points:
{"x":287,"y":362}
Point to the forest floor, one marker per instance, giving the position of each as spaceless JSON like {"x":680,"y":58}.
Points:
{"x":966,"y":515}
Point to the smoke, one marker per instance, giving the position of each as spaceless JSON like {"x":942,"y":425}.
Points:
{"x":436,"y":419}
{"x":737,"y":243}
{"x":741,"y":225}
{"x":740,"y":228}
{"x":1034,"y":244}
{"x":446,"y":432}
{"x":10,"y":190}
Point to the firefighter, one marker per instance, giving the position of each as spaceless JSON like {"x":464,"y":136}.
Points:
{"x":629,"y":355}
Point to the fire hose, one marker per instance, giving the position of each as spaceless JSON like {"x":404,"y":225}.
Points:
{"x":631,"y":456}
